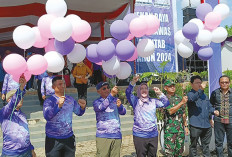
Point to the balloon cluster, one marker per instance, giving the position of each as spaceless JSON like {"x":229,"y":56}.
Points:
{"x":197,"y":36}
{"x":59,"y":35}
{"x":16,"y":65}
{"x":111,"y":51}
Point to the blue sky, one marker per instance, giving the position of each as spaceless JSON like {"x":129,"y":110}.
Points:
{"x":194,"y":3}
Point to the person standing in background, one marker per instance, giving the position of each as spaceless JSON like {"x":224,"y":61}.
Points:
{"x":2,"y":73}
{"x":46,"y":86}
{"x":81,"y":72}
{"x":38,"y":79}
{"x":97,"y":74}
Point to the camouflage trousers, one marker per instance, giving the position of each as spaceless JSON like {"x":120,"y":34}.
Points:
{"x":174,"y":144}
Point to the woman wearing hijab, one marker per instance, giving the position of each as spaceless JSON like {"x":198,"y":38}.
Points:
{"x":145,"y":132}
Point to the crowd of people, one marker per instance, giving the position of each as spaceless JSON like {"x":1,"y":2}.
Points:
{"x":58,"y":108}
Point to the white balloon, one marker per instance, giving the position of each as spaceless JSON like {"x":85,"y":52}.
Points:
{"x":73,"y":18}
{"x":55,"y":61}
{"x":204,"y":37}
{"x":56,"y":7}
{"x":24,"y":37}
{"x":145,"y":48}
{"x":179,"y":37}
{"x":223,"y":10}
{"x":219,"y":35}
{"x":61,"y":29}
{"x":125,"y":71}
{"x":198,"y":22}
{"x":111,"y":66}
{"x":78,"y":54}
{"x":185,"y":49}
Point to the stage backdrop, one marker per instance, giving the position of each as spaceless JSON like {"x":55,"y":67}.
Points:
{"x":163,"y":38}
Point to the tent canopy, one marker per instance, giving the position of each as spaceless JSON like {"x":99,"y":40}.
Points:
{"x":99,"y":13}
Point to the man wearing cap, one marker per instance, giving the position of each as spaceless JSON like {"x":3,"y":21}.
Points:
{"x":175,"y":122}
{"x":16,"y":137}
{"x":107,"y":108}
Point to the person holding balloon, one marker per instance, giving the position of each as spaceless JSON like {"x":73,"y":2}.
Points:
{"x":58,"y":111}
{"x":16,"y":137}
{"x":82,"y":72}
{"x":108,"y":108}
{"x":145,"y":132}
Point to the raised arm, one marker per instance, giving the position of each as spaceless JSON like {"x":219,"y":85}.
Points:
{"x":195,"y":96}
{"x":121,"y":108}
{"x":130,"y":96}
{"x":163,"y":100}
{"x":178,"y":106}
{"x":79,"y":108}
{"x":102,"y":105}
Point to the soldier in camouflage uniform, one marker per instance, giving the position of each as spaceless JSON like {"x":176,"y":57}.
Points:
{"x":176,"y":125}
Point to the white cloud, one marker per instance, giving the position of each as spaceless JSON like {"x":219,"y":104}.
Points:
{"x":186,"y":3}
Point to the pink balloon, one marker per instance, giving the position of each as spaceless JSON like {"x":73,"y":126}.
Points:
{"x":99,"y":63}
{"x":81,"y":31}
{"x":14,"y":64}
{"x":138,"y":27}
{"x":37,"y":64}
{"x":134,"y":57}
{"x":27,"y":76}
{"x":130,"y":37}
{"x":153,"y":24}
{"x":209,"y":29}
{"x":213,"y":20}
{"x":44,"y":24}
{"x":50,"y":46}
{"x":41,"y":41}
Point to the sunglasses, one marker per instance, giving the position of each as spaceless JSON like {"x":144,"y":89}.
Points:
{"x":106,"y":88}
{"x":224,"y":82}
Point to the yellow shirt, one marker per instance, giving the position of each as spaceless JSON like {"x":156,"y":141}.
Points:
{"x":82,"y":71}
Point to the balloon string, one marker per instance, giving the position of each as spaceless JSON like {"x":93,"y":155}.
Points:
{"x":15,"y":104}
{"x":63,"y":81}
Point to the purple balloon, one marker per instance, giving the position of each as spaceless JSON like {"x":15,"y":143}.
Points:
{"x":125,"y":50}
{"x":196,"y":47}
{"x":129,"y":17}
{"x":105,"y":50}
{"x":64,"y":47}
{"x":190,"y":30}
{"x":109,"y":76}
{"x":202,"y":10}
{"x":205,"y":53}
{"x":91,"y":53}
{"x":114,"y":41}
{"x":119,"y":30}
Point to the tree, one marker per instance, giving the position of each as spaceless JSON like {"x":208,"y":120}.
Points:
{"x":229,"y":30}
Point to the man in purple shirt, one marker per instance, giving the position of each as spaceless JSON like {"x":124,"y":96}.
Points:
{"x":107,"y":109}
{"x":8,"y":85}
{"x":58,"y":110}
{"x":46,"y":86}
{"x":16,"y":137}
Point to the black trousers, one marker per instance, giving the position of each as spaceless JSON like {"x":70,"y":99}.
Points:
{"x":60,"y":147}
{"x":205,"y":136}
{"x":220,"y":130}
{"x":82,"y":91}
{"x":97,"y":75}
{"x":39,"y":92}
{"x":145,"y":147}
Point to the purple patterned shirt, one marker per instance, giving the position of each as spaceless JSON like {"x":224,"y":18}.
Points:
{"x":145,"y":120}
{"x":46,"y":86}
{"x":16,"y":136}
{"x":9,"y":84}
{"x":107,"y":116}
{"x":59,"y":120}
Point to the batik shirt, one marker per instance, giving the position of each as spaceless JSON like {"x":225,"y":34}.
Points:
{"x":174,"y":122}
{"x":59,"y":120}
{"x":46,"y":86}
{"x":107,"y":116}
{"x":16,"y":136}
{"x":9,"y":84}
{"x":145,"y":120}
